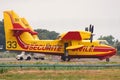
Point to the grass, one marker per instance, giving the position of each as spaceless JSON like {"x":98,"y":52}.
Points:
{"x":3,"y":70}
{"x":103,"y":74}
{"x":59,"y":73}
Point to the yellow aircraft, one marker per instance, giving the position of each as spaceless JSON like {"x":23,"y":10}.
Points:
{"x":73,"y":44}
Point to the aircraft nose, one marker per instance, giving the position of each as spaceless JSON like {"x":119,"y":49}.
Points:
{"x":112,"y":51}
{"x":106,"y":51}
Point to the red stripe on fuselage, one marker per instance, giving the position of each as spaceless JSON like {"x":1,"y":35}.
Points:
{"x":103,"y":49}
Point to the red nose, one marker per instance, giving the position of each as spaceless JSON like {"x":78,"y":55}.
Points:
{"x":106,"y":51}
{"x":112,"y":51}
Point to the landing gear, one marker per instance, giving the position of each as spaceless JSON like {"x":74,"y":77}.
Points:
{"x":107,"y":59}
{"x":65,"y":57}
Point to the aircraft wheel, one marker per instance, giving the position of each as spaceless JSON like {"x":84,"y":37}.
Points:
{"x":107,"y":60}
{"x":68,"y":58}
{"x":65,"y":58}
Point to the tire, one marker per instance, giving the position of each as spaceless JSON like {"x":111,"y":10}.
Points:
{"x":107,"y":60}
{"x":68,"y":58}
{"x":65,"y":58}
{"x":28,"y":58}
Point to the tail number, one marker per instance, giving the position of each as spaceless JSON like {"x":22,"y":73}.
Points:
{"x":11,"y":44}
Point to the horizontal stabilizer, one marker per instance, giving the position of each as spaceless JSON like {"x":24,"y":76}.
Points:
{"x":74,"y":47}
{"x":25,"y":30}
{"x":20,"y":29}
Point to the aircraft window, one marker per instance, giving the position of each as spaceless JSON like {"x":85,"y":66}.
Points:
{"x":103,"y":42}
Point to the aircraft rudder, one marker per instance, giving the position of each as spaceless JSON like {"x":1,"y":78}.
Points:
{"x":10,"y":39}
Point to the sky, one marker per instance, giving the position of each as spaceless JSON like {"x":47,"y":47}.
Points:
{"x":68,"y":15}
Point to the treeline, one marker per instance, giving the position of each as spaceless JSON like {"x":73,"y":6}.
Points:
{"x":45,"y":34}
{"x":2,"y":35}
{"x":111,"y":41}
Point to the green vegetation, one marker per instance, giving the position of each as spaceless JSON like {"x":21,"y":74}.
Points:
{"x":106,"y":74}
{"x":2,"y":35}
{"x":58,"y":73}
{"x":61,"y":66}
{"x":112,"y":41}
{"x":45,"y":34}
{"x":3,"y":70}
{"x":8,"y":55}
{"x":109,"y":39}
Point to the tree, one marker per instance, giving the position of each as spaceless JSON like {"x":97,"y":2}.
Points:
{"x":110,"y":39}
{"x":117,"y":46}
{"x":2,"y":34}
{"x":45,"y":34}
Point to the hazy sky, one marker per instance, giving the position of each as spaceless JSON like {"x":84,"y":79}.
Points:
{"x":68,"y":15}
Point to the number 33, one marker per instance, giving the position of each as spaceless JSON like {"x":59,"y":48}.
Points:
{"x":11,"y":44}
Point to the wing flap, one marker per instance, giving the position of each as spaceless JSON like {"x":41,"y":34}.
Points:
{"x":74,"y":47}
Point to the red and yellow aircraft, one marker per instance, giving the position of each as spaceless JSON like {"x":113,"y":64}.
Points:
{"x":73,"y":44}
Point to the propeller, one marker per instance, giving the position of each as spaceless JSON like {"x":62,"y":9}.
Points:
{"x":90,"y":29}
{"x":86,"y":29}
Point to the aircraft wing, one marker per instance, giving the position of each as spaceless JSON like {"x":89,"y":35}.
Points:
{"x":74,"y":47}
{"x":72,"y":35}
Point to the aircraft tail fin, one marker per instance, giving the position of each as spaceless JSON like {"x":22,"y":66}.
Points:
{"x":17,"y":30}
{"x":24,"y":21}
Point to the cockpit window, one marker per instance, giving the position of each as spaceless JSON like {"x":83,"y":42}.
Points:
{"x":103,"y":42}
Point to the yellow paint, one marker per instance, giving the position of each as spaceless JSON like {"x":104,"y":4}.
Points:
{"x":45,"y":46}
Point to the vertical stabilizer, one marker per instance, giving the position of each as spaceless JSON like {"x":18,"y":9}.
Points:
{"x":28,"y":26}
{"x":17,"y":34}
